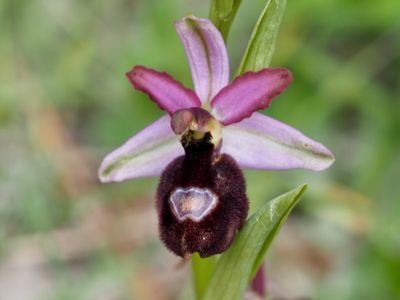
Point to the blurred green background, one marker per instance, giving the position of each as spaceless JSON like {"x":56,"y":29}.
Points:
{"x":65,"y":103}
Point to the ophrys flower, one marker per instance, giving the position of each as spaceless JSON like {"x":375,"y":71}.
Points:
{"x":205,"y":135}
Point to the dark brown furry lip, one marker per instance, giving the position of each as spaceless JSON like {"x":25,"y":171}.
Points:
{"x":198,"y":170}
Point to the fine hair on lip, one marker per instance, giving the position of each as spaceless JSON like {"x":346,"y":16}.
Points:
{"x":215,"y":230}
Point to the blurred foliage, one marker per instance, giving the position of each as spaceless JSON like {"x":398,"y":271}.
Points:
{"x":65,"y":103}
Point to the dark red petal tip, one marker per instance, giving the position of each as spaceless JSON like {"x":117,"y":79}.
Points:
{"x":248,"y":93}
{"x":170,"y":95}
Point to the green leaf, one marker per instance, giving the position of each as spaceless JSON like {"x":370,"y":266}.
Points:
{"x":222,"y":13}
{"x":202,"y":269}
{"x":237,"y":266}
{"x":261,"y":46}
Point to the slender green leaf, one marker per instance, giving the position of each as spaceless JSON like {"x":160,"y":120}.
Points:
{"x":222,"y":14}
{"x":261,"y":46}
{"x":202,"y":269}
{"x":235,"y":267}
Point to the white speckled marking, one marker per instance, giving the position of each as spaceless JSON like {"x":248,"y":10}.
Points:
{"x":192,"y":203}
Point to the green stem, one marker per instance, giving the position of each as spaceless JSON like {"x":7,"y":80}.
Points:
{"x":202,"y":269}
{"x":223,"y":19}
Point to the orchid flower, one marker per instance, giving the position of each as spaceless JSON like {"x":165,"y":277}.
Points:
{"x":216,"y":113}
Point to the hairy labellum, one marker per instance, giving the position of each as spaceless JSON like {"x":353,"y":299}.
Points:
{"x":201,"y":201}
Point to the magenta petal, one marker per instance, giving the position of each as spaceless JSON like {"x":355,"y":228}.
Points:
{"x":258,"y":284}
{"x":169,"y":94}
{"x":207,"y":55}
{"x":145,"y":154}
{"x":261,"y":142}
{"x":248,"y":93}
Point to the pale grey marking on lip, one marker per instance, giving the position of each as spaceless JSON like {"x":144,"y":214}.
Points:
{"x":192,"y":203}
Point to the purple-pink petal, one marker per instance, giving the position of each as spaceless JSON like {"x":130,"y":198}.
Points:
{"x":169,"y":94}
{"x":145,"y":154}
{"x":258,"y":284}
{"x":207,"y":55}
{"x":248,"y":93}
{"x":261,"y":142}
